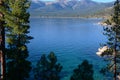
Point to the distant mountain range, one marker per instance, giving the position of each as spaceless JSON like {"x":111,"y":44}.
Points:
{"x":70,"y":8}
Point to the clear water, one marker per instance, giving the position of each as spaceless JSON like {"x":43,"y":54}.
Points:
{"x":73,"y":40}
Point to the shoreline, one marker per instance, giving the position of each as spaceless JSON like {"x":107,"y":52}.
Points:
{"x":69,"y":17}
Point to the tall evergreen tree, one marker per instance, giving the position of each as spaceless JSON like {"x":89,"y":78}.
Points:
{"x":47,"y":68}
{"x":18,"y":67}
{"x":112,"y":31}
{"x":83,"y":72}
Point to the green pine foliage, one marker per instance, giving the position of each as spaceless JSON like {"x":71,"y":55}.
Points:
{"x":83,"y":72}
{"x":112,"y":31}
{"x":17,"y":22}
{"x":47,"y":68}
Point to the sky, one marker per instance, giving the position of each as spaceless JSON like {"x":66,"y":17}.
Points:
{"x":92,"y":0}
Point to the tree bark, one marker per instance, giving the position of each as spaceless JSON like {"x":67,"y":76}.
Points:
{"x":115,"y":63}
{"x":2,"y":45}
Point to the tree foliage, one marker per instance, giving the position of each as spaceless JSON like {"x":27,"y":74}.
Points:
{"x":47,"y":68}
{"x":17,"y":22}
{"x":83,"y":72}
{"x":112,"y":31}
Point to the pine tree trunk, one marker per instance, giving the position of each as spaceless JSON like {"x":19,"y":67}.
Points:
{"x":115,"y":69}
{"x":2,"y":46}
{"x":115,"y":54}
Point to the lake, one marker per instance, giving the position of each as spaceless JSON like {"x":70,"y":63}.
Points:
{"x":71,"y":39}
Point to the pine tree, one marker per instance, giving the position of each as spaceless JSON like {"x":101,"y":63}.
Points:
{"x":112,"y":31}
{"x":47,"y":68}
{"x":17,"y":22}
{"x":83,"y":72}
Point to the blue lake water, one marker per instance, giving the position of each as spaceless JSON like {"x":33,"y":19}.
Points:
{"x":72,"y":40}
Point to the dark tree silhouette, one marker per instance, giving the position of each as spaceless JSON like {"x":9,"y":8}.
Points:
{"x":47,"y":68}
{"x":83,"y":72}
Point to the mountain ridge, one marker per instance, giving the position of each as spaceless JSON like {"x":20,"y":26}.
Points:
{"x":69,"y":8}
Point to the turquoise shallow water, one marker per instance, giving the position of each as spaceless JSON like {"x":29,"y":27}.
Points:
{"x":73,"y":40}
